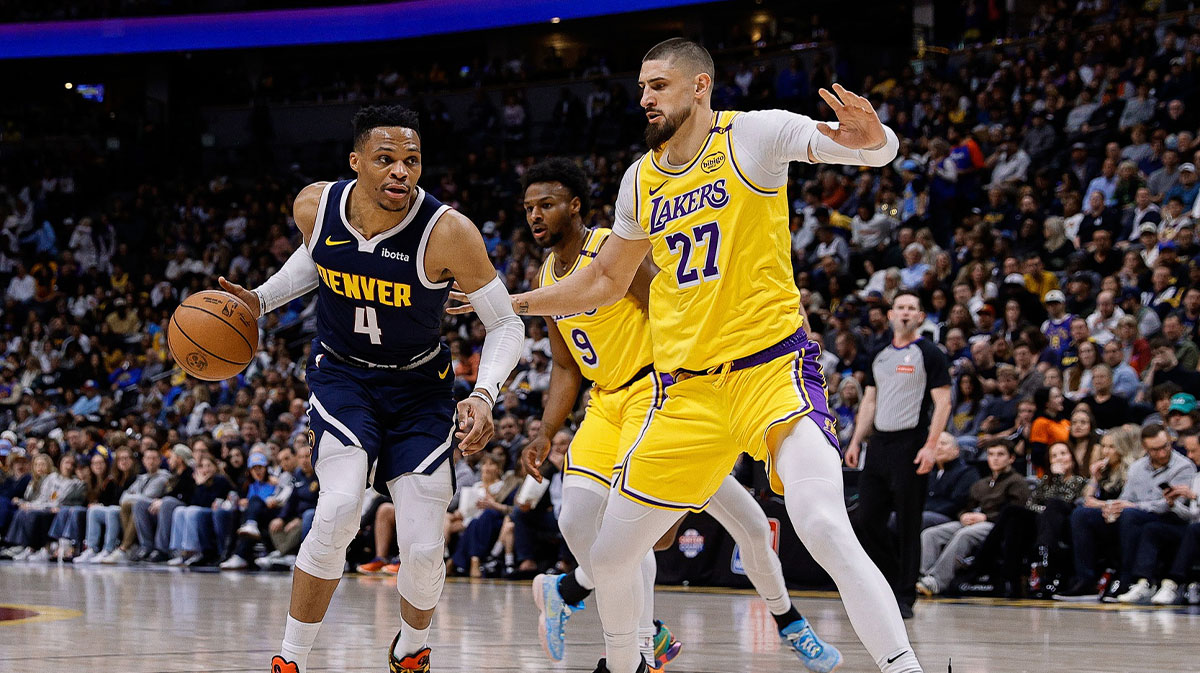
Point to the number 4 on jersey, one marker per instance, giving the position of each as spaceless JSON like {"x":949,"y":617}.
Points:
{"x":366,"y":322}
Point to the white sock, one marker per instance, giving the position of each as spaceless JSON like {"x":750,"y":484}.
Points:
{"x":298,"y":639}
{"x":646,"y":642}
{"x":412,"y":640}
{"x":780,"y":606}
{"x":510,"y":559}
{"x":905,"y":662}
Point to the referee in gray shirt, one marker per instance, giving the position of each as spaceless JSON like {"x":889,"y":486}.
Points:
{"x":907,"y":405}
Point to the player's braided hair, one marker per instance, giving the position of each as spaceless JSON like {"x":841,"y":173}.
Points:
{"x":375,"y":116}
{"x":563,"y":171}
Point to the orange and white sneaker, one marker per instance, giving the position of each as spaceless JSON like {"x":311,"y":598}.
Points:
{"x":391,"y":568}
{"x":372,"y":567}
{"x":281,"y":665}
{"x":417,"y":662}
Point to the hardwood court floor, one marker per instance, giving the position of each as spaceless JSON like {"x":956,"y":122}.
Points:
{"x":130,"y":620}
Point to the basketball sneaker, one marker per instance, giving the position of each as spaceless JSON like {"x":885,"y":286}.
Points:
{"x":417,"y":662}
{"x":391,"y":568}
{"x":816,"y":655}
{"x":602,"y":667}
{"x":666,"y":647}
{"x":552,"y":614}
{"x":281,"y":665}
{"x":372,"y":567}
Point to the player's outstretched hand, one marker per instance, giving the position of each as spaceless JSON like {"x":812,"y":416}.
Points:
{"x":533,"y":454}
{"x":242,"y":293}
{"x":859,"y":127}
{"x":475,"y":426}
{"x":464,"y":302}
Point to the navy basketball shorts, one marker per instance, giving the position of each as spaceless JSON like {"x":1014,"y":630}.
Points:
{"x":404,"y":420}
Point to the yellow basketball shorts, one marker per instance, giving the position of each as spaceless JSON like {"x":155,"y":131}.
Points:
{"x":696,"y":434}
{"x":613,"y":422}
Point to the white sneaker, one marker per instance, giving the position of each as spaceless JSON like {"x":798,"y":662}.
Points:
{"x":1167,"y":594}
{"x":288,"y":561}
{"x":234,"y":562}
{"x":1138,"y":593}
{"x":176,"y":561}
{"x":928,"y":586}
{"x":266,"y":562}
{"x":99,"y":558}
{"x":24,"y":554}
{"x":1192,"y":595}
{"x":88,"y":556}
{"x":250,"y":530}
{"x":114,"y":557}
{"x":40,"y":556}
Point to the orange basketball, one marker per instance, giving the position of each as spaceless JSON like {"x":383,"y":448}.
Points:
{"x":213,"y":335}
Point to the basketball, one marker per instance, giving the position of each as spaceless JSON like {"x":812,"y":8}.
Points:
{"x":213,"y":335}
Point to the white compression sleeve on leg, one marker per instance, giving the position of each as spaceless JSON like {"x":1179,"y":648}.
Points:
{"x":297,"y":278}
{"x":811,"y":472}
{"x":735,"y":509}
{"x":505,"y":336}
{"x":583,"y":502}
{"x":421,"y":502}
{"x":629,"y":530}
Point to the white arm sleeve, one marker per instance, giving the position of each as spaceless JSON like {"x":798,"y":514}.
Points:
{"x":297,"y":278}
{"x":766,"y":141}
{"x":505,"y":336}
{"x":625,"y":222}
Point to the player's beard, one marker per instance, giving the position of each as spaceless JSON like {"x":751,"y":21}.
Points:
{"x":658,"y":134}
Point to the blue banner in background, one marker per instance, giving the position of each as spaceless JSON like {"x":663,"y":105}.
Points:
{"x":363,"y":23}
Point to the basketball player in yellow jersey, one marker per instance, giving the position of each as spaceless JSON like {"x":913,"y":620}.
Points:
{"x":611,"y":347}
{"x":709,"y":202}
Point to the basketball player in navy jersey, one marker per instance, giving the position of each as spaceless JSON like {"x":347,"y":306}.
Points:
{"x":382,"y":253}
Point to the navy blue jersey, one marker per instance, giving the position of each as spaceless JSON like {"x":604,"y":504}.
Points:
{"x":375,"y":302}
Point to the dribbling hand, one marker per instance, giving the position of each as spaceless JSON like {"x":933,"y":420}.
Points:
{"x":533,"y":454}
{"x":859,"y":127}
{"x":475,"y":426}
{"x":242,"y":293}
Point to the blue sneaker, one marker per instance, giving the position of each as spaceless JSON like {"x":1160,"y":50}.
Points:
{"x":552,"y":613}
{"x":817,"y":655}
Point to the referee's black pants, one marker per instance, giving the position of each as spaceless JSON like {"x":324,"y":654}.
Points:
{"x":889,"y":483}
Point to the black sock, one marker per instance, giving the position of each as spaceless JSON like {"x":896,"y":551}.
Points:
{"x":787,"y":618}
{"x":570,"y":590}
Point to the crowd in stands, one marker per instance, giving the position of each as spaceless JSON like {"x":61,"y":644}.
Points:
{"x":1043,"y":206}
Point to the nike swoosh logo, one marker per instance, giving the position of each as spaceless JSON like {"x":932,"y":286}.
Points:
{"x":897,"y":656}
{"x":330,"y":242}
{"x":444,"y":372}
{"x":656,"y":189}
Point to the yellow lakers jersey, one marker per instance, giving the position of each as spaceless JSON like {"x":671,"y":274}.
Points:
{"x":725,"y":289}
{"x":610,"y":343}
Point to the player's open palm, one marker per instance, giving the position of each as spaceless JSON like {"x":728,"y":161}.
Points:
{"x":242,"y":293}
{"x":475,"y":426}
{"x":533,"y":454}
{"x":859,"y":127}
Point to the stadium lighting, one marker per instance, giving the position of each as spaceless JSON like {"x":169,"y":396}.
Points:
{"x":556,"y":20}
{"x":68,"y":86}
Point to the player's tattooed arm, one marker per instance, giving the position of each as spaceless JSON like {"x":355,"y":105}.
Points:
{"x":600,"y":283}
